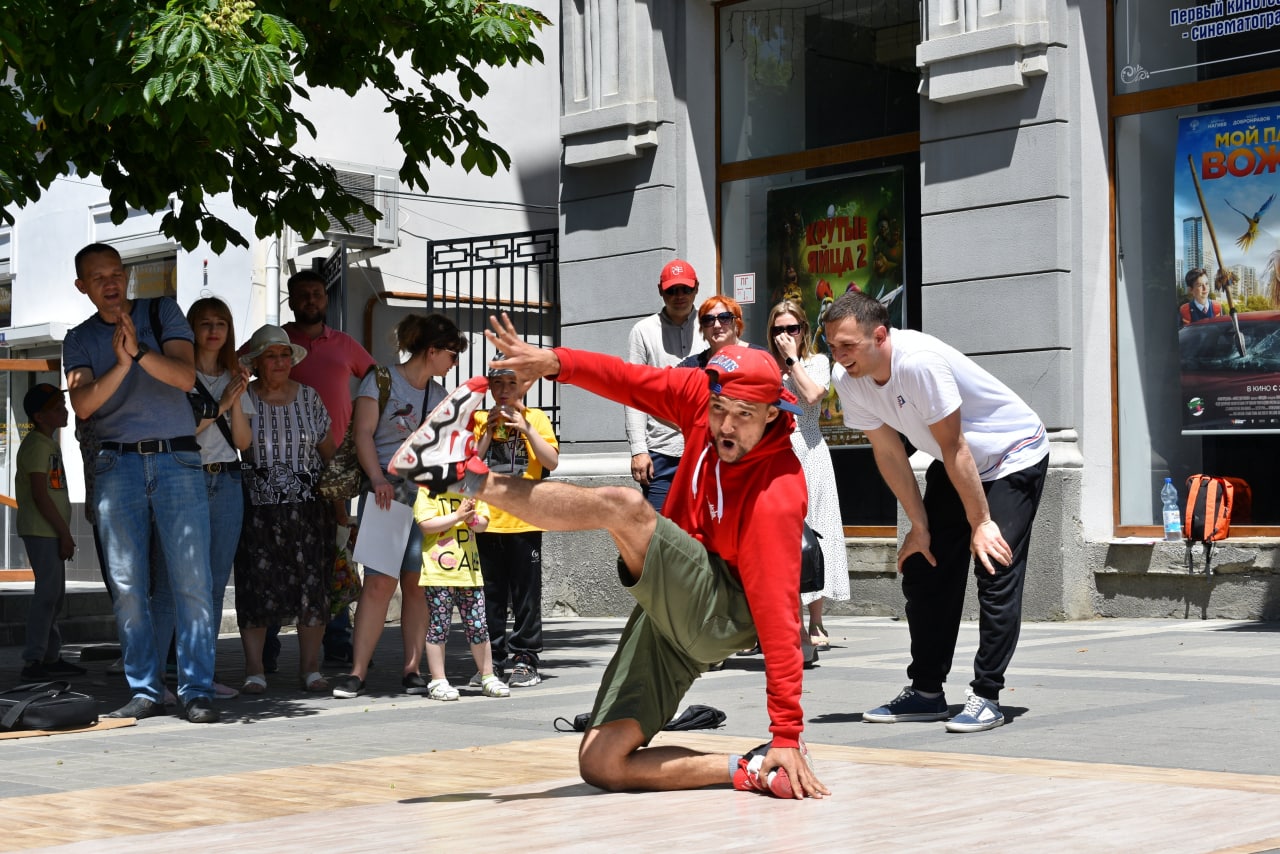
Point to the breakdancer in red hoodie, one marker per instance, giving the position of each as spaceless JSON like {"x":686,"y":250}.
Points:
{"x":717,"y":572}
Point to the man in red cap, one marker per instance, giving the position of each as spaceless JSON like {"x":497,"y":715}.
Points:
{"x":662,"y":340}
{"x":717,"y":571}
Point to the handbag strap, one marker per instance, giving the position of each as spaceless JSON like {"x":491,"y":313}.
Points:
{"x":221,"y":420}
{"x":51,"y":689}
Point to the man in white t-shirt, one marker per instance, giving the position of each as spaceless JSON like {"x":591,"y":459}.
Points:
{"x":981,"y":493}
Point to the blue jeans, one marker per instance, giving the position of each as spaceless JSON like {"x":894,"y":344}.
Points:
{"x":226,"y":515}
{"x":131,"y":490}
{"x":664,"y":469}
{"x":44,"y":641}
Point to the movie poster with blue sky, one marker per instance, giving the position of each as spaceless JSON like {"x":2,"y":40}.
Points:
{"x":1225,"y":188}
{"x":831,"y":236}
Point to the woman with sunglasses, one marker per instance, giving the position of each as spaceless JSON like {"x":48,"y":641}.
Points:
{"x":720,"y":319}
{"x":433,"y":343}
{"x":807,"y":375}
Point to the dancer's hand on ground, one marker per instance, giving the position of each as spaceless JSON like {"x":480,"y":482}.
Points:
{"x":529,"y":362}
{"x":804,"y":783}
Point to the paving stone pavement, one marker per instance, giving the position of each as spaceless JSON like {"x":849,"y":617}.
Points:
{"x":1201,"y":695}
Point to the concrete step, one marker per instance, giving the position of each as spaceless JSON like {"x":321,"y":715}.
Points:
{"x":87,"y":616}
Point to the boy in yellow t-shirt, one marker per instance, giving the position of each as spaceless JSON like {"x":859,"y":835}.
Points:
{"x":517,"y":440}
{"x":44,"y":516}
{"x":451,"y":576}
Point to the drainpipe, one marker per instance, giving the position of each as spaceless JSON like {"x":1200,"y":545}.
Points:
{"x":273,"y":281}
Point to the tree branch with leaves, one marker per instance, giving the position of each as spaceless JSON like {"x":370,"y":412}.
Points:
{"x":172,"y":103}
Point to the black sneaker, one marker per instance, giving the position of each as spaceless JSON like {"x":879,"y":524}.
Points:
{"x":348,"y":687}
{"x":201,"y":711}
{"x":413,"y":683}
{"x":62,"y":667}
{"x":440,"y":453}
{"x":524,"y":675}
{"x":35,"y":671}
{"x":138,"y":707}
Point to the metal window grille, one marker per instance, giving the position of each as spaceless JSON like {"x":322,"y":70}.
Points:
{"x":471,"y":279}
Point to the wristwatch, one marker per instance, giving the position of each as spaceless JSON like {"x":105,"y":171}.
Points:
{"x":788,"y":361}
{"x":143,"y":350}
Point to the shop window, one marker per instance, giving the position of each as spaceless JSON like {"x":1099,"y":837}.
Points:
{"x":810,"y":235}
{"x":152,"y":276}
{"x":1196,"y":395}
{"x":798,"y":76}
{"x":1196,"y":180}
{"x":1162,"y":43}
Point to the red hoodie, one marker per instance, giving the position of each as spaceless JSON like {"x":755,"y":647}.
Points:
{"x":749,"y":512}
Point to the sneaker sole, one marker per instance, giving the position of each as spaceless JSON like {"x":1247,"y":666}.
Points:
{"x":952,"y":726}
{"x":929,"y":717}
{"x":408,"y":460}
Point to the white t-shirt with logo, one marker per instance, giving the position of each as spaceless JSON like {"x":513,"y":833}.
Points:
{"x":929,"y":380}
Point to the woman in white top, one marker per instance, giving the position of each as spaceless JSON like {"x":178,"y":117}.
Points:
{"x":220,"y":381}
{"x":807,"y":375}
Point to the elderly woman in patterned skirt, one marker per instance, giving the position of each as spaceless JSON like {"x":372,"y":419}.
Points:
{"x":286,"y":553}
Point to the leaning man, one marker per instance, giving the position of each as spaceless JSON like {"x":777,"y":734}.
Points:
{"x":981,"y":493}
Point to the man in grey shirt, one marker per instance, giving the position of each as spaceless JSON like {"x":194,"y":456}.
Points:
{"x":662,"y":340}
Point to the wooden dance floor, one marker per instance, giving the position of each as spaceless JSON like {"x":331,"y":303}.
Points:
{"x":526,"y":796}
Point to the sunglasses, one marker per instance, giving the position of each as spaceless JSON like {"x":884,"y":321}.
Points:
{"x":792,"y":329}
{"x":725,"y":317}
{"x":453,"y":354}
{"x":679,"y":291}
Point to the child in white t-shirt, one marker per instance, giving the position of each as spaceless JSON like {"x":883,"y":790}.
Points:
{"x":451,"y":578}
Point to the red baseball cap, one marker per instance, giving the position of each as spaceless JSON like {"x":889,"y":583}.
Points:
{"x":678,"y":272}
{"x":744,"y":373}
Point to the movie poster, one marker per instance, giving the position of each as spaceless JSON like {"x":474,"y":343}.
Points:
{"x":1225,"y":218}
{"x":827,"y":237}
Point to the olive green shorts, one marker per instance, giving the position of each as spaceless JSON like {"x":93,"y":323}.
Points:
{"x":690,"y":612}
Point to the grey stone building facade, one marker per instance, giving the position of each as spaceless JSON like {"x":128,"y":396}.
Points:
{"x":1038,"y":218}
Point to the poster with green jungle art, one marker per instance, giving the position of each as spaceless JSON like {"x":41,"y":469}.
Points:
{"x":831,"y":236}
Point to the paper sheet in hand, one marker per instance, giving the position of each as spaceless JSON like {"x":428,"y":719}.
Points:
{"x":383,"y":536}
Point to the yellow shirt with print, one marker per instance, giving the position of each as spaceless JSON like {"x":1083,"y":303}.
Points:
{"x":449,"y":558}
{"x":515,"y":457}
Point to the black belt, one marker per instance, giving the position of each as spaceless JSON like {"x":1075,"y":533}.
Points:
{"x":153,"y":446}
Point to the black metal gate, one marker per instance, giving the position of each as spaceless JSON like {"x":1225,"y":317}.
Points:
{"x":473,"y":278}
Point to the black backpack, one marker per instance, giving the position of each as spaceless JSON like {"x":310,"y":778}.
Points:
{"x":46,"y":705}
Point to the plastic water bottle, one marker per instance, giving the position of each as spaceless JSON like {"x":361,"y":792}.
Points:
{"x":1172,"y":516}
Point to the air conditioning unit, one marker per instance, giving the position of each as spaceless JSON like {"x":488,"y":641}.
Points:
{"x":377,"y":187}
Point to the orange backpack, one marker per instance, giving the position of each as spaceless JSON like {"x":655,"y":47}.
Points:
{"x":1207,"y":518}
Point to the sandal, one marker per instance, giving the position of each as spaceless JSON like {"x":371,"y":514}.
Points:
{"x":440,"y":689}
{"x":254,"y":684}
{"x":491,"y":686}
{"x":315,"y":683}
{"x":819,"y":638}
{"x":224,"y":692}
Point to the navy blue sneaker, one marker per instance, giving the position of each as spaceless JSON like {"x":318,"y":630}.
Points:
{"x":910,"y":705}
{"x":979,"y":714}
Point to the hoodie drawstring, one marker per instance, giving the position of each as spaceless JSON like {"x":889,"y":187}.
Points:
{"x":717,"y":509}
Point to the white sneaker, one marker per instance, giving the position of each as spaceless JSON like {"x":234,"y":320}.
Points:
{"x":440,"y":689}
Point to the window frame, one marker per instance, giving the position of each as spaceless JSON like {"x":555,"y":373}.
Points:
{"x":1264,"y":85}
